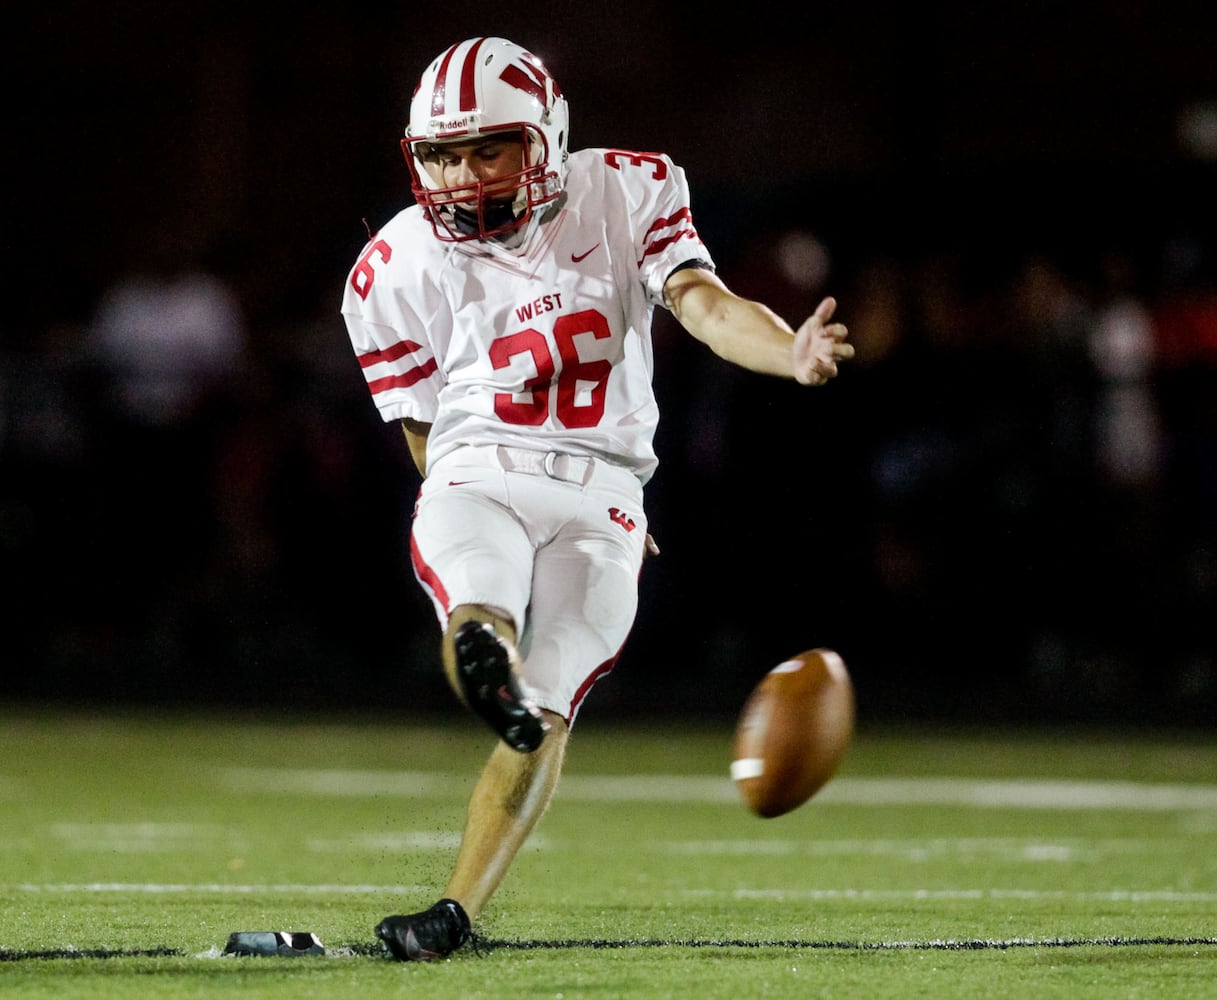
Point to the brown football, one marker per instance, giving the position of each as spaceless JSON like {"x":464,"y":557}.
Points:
{"x":793,"y":732}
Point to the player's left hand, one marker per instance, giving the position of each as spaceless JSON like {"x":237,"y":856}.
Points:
{"x":819,"y":345}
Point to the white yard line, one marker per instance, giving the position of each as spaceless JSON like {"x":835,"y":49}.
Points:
{"x":916,"y":849}
{"x":211,"y":888}
{"x":1031,"y":895}
{"x":777,"y":895}
{"x":708,"y":789}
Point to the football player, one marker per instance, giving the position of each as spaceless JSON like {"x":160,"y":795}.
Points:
{"x":505,"y":321}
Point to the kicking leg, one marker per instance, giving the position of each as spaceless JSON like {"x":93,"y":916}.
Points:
{"x":481,"y":664}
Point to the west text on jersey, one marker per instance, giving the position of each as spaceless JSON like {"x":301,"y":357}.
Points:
{"x":541,"y":304}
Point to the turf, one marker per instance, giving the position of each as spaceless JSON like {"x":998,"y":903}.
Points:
{"x":938,"y":863}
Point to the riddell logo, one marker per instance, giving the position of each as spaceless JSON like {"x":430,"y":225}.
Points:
{"x":451,"y":124}
{"x":617,"y":516}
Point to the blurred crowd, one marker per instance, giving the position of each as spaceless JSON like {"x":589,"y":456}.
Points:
{"x":1003,"y":508}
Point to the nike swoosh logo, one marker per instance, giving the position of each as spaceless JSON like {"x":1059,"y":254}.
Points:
{"x":459,"y":482}
{"x":576,"y":257}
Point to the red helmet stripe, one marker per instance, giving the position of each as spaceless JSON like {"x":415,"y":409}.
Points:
{"x":437,"y":95}
{"x":532,"y":82}
{"x":540,"y":72}
{"x":469,"y":76}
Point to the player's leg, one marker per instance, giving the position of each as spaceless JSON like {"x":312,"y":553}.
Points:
{"x":511,"y":795}
{"x":498,"y":620}
{"x":509,"y":798}
{"x":473,"y":555}
{"x":482,"y":665}
{"x":584,"y":599}
{"x":584,"y":602}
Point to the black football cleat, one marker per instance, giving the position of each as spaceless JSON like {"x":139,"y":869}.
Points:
{"x":426,"y":936}
{"x":483,"y":667}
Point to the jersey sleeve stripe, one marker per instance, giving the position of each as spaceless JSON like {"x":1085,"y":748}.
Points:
{"x":402,"y":380}
{"x":676,"y":227}
{"x":394,"y":353}
{"x":658,"y":246}
{"x":684,"y":215}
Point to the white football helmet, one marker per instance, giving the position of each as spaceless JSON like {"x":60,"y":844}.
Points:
{"x":480,"y":87}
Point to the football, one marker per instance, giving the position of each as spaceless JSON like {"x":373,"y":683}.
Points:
{"x":793,"y":732}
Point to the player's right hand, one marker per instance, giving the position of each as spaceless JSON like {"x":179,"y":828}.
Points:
{"x":819,"y":345}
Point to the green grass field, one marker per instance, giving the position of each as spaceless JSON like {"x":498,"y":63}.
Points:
{"x":938,"y":863}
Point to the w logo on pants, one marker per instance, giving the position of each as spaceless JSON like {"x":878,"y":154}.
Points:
{"x":620,"y":517}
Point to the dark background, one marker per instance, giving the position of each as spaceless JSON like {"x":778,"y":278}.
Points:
{"x":1002,"y":510}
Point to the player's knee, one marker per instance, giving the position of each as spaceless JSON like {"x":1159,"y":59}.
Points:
{"x":496,"y":618}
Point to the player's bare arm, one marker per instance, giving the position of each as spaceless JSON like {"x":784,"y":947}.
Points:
{"x":752,"y":335}
{"x":416,"y":440}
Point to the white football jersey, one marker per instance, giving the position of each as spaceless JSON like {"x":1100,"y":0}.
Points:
{"x":544,"y":346}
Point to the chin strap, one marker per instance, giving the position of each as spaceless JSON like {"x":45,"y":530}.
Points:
{"x":493,"y":216}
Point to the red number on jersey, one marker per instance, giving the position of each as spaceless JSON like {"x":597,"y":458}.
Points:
{"x":363,"y":275}
{"x":595,"y":374}
{"x":615,"y":157}
{"x":536,"y":409}
{"x":574,"y":371}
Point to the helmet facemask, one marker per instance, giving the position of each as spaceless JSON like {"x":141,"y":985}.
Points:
{"x":484,"y":209}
